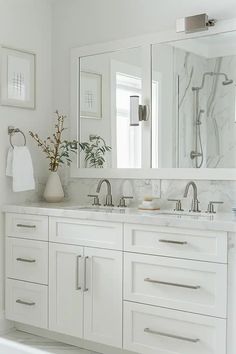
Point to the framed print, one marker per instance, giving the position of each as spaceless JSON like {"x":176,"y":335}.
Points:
{"x":90,"y":95}
{"x":17,"y":78}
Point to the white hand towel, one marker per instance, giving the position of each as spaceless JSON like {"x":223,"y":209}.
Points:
{"x":20,"y":168}
{"x":9,"y":162}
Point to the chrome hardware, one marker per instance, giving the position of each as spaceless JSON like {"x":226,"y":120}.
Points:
{"x":95,"y":199}
{"x":26,"y":260}
{"x":26,"y":226}
{"x":19,"y":301}
{"x":108,"y":196}
{"x":193,"y":287}
{"x":85,"y":274}
{"x":210,"y":208}
{"x":122,"y":203}
{"x":12,"y":131}
{"x":78,"y":287}
{"x":178,"y":206}
{"x":195,"y":202}
{"x":163,"y":334}
{"x":194,"y":154}
{"x":175,"y":242}
{"x":196,"y":23}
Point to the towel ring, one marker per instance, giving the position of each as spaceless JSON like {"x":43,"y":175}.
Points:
{"x":12,"y":131}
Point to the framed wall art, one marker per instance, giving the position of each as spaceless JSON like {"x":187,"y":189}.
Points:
{"x":90,"y":95}
{"x":17,"y":78}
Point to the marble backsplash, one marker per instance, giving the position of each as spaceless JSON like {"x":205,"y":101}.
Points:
{"x":77,"y":190}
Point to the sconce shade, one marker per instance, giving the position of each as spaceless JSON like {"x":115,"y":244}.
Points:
{"x":134,"y":110}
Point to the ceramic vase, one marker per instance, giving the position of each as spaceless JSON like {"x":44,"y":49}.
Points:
{"x":53,"y":192}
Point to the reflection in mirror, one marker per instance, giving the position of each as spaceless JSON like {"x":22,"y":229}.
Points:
{"x":193,"y":104}
{"x":107,"y":81}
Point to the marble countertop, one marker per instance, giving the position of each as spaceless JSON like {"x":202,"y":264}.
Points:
{"x":202,"y":221}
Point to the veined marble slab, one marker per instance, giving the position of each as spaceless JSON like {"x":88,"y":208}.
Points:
{"x":202,"y":221}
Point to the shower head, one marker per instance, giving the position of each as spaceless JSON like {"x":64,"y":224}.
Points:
{"x":227,"y":82}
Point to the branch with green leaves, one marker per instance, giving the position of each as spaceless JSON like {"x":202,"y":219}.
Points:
{"x":57,"y":150}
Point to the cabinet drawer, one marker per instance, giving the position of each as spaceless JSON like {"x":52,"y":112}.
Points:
{"x":27,"y":260}
{"x":186,"y":285}
{"x":27,"y":303}
{"x":153,"y":330}
{"x":99,"y":234}
{"x":33,"y":227}
{"x":208,"y":246}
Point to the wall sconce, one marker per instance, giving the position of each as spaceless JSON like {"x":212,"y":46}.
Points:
{"x":193,"y":24}
{"x":138,"y":112}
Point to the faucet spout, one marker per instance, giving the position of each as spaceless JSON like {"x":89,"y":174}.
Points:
{"x":108,"y":196}
{"x":195,"y":202}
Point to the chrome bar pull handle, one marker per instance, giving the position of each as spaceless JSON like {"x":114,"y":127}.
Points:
{"x":26,"y":226}
{"x":19,"y":301}
{"x":26,"y":260}
{"x":193,"y":287}
{"x":78,"y":287}
{"x":163,"y":334}
{"x":174,"y":242}
{"x":85,"y":274}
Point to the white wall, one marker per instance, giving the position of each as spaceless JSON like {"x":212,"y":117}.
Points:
{"x":26,"y":24}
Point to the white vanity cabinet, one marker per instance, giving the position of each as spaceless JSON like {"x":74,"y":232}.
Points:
{"x":175,"y":290}
{"x":143,"y":288}
{"x":65,"y":295}
{"x":27,"y":269}
{"x":85,"y":293}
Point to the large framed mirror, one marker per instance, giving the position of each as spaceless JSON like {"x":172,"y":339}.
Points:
{"x":196,"y":106}
{"x":107,"y":84}
{"x":156,"y":110}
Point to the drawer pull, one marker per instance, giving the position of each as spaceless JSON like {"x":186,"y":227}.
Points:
{"x":194,"y":287}
{"x":19,"y":301}
{"x":174,"y":242}
{"x":26,"y":226}
{"x":186,"y":339}
{"x":26,"y":260}
{"x":78,"y":287}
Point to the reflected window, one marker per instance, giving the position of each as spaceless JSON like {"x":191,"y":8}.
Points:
{"x":128,"y":138}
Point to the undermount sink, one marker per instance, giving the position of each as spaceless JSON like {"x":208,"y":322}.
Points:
{"x":183,"y":213}
{"x":101,"y":209}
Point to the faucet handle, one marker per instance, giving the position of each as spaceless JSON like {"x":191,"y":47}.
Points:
{"x":95,"y":199}
{"x":178,"y":206}
{"x":122,"y":201}
{"x":210,"y":208}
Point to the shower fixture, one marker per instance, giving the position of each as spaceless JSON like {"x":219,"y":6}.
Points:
{"x":226,"y":81}
{"x":197,"y":153}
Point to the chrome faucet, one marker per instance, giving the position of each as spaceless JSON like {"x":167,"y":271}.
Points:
{"x":108,"y":196}
{"x":195,"y":202}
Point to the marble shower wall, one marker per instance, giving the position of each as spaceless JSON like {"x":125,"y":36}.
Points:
{"x":78,"y":189}
{"x":218,"y":127}
{"x":220,"y":114}
{"x":188,"y":69}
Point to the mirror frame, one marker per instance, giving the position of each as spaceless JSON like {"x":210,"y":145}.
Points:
{"x":152,"y":173}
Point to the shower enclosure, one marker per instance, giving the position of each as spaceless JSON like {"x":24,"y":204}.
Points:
{"x":198,"y":154}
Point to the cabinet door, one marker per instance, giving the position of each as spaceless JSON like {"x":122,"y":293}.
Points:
{"x":103,"y":296}
{"x":66,"y":289}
